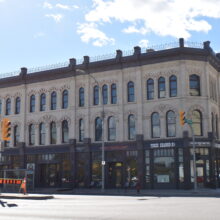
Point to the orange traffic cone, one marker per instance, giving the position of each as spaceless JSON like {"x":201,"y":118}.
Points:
{"x":23,"y":186}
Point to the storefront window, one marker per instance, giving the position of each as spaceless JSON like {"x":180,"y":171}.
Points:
{"x":164,"y":165}
{"x":96,"y":170}
{"x":181,"y":167}
{"x":131,"y":172}
{"x":147,"y":163}
{"x":66,"y":177}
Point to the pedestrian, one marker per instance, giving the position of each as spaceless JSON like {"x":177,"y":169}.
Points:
{"x":138,"y":187}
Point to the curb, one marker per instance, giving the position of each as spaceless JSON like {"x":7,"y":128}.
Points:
{"x":30,"y":197}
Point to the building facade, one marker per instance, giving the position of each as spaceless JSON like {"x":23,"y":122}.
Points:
{"x":57,"y":120}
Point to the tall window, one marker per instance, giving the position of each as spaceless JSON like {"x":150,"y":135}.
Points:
{"x":31,"y":134}
{"x":65,"y":131}
{"x":173,"y":86}
{"x":17,"y":105}
{"x":111,"y":129}
{"x":171,"y":124}
{"x":197,"y":122}
{"x":53,"y":133}
{"x":42,"y":102}
{"x":131,"y":127}
{"x":8,"y":107}
{"x":113,"y":94}
{"x":105,"y":94}
{"x":96,"y":95}
{"x":65,"y":99}
{"x":150,"y":89}
{"x":16,"y":135}
{"x":194,"y":85}
{"x":32,"y":103}
{"x":0,"y":106}
{"x":53,"y":103}
{"x":98,"y":129}
{"x":155,"y":125}
{"x":81,"y":130}
{"x":130,"y":91}
{"x":161,"y":87}
{"x":81,"y":97}
{"x":42,"y":131}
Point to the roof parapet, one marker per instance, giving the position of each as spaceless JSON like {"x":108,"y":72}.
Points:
{"x":72,"y":63}
{"x":181,"y":42}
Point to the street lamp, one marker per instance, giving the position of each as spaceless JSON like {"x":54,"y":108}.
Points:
{"x":103,"y":128}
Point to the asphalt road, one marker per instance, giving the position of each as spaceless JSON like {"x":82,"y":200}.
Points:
{"x":111,"y":208}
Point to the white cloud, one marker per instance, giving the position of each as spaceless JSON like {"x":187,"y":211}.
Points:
{"x":65,"y":7}
{"x":143,"y":43}
{"x":174,"y":18}
{"x":47,"y":5}
{"x":90,"y":32}
{"x":57,"y":17}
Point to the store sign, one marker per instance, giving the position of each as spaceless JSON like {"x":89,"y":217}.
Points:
{"x":166,"y":144}
{"x":201,"y":143}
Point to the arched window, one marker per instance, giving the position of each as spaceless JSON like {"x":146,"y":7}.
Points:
{"x":53,"y":133}
{"x":155,"y":125}
{"x":98,"y":129}
{"x":171,"y":124}
{"x":81,"y":97}
{"x":131,"y":127}
{"x":42,"y":131}
{"x":0,"y":106}
{"x":105,"y":94}
{"x":194,"y":85}
{"x":96,"y":95}
{"x":197,"y":122}
{"x":65,"y":131}
{"x":31,"y":134}
{"x":113,"y":94}
{"x":150,"y":89}
{"x":173,"y":86}
{"x":161,"y":88}
{"x":32,"y":103}
{"x":81,"y":130}
{"x":42,"y":102}
{"x":8,"y":107}
{"x":17,"y":105}
{"x":65,"y":99}
{"x":111,"y":129}
{"x":53,"y":103}
{"x":16,"y":135}
{"x":130,"y":91}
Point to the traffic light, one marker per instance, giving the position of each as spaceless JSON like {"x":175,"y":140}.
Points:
{"x":182,"y":118}
{"x":6,"y":129}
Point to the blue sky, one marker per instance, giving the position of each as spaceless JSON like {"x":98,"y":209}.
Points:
{"x":43,"y":32}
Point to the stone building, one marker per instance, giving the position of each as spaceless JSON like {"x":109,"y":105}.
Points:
{"x":56,"y":117}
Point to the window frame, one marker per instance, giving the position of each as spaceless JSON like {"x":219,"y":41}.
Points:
{"x":150,"y":89}
{"x":173,"y":86}
{"x":170,"y":124}
{"x":65,"y":131}
{"x":130,"y":91}
{"x":96,"y":95}
{"x":98,"y":130}
{"x":111,"y":128}
{"x":154,"y":125}
{"x":42,"y":102}
{"x":193,"y":89}
{"x":53,"y":101}
{"x":131,"y":127}
{"x":65,"y":97}
{"x":81,"y":97}
{"x":113,"y":93}
{"x":161,"y":87}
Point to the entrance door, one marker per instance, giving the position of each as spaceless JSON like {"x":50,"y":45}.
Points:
{"x":115,"y":175}
{"x":49,"y":175}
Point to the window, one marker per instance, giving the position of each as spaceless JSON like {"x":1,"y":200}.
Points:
{"x":65,"y":99}
{"x":216,"y":125}
{"x":105,"y":94}
{"x":113,"y":94}
{"x":81,"y":97}
{"x":31,"y":134}
{"x":98,"y":129}
{"x":173,"y":86}
{"x":42,"y":102}
{"x":155,"y":125}
{"x":53,"y":133}
{"x":96,"y":95}
{"x":130,"y":91}
{"x":42,"y":132}
{"x":65,"y":131}
{"x":17,"y":105}
{"x":212,"y":122}
{"x":8,"y":107}
{"x":171,"y":124}
{"x":32,"y":103}
{"x":150,"y":89}
{"x":111,"y":129}
{"x":131,"y":127}
{"x":197,"y":122}
{"x":53,"y":103}
{"x":81,"y":130}
{"x":161,"y":87}
{"x":16,"y":135}
{"x":194,"y":85}
{"x":0,"y":106}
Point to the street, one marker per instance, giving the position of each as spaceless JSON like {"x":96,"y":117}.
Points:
{"x":111,"y":208}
